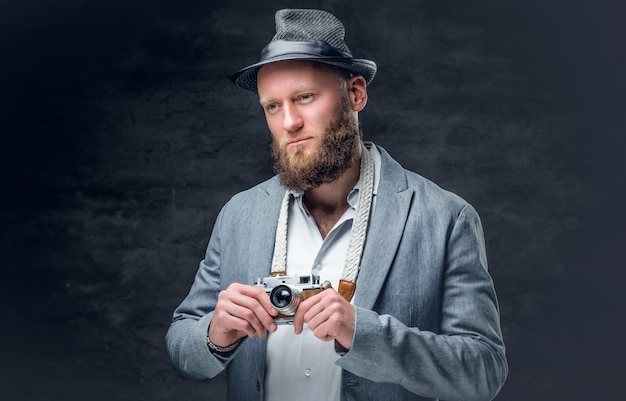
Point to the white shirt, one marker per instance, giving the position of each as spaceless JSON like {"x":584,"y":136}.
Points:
{"x":301,"y":366}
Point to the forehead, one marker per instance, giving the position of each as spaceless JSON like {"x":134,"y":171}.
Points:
{"x":294,"y":73}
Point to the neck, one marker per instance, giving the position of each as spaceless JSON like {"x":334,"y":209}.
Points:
{"x":331,"y":198}
{"x":328,"y":202}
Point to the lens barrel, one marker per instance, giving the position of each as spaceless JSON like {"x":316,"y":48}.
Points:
{"x":285,"y":299}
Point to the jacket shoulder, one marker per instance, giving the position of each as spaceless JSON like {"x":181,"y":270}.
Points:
{"x":261,"y":191}
{"x":431,"y":194}
{"x":427,"y":194}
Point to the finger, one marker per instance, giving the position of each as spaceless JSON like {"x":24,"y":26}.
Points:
{"x":229,"y":318}
{"x":241,"y":320}
{"x":317,"y":315}
{"x":322,"y":334}
{"x":264,"y":301}
{"x":224,"y":323}
{"x":318,"y":303}
{"x":298,"y":321}
{"x":260,"y":296}
{"x":336,"y":322}
{"x":250,"y":310}
{"x":250,"y":320}
{"x":255,"y":300}
{"x":303,"y":310}
{"x":225,"y":328}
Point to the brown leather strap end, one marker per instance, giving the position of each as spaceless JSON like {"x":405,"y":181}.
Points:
{"x":346,"y":289}
{"x":309,"y":293}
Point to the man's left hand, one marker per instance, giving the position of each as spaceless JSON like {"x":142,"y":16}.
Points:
{"x":329,"y":316}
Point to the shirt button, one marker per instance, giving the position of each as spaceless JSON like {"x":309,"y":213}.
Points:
{"x":307,"y":372}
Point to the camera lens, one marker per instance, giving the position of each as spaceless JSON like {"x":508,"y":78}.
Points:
{"x":285,"y":299}
{"x":282,"y":297}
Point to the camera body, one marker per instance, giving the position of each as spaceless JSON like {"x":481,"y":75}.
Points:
{"x":286,"y":293}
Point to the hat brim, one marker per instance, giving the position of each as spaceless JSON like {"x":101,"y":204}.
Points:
{"x":246,"y":78}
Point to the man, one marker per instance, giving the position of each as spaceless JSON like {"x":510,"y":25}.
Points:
{"x":412,"y":313}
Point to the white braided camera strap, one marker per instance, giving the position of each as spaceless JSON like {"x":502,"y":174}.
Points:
{"x":347,"y":284}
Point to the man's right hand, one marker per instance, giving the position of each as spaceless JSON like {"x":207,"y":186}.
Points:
{"x":241,"y":310}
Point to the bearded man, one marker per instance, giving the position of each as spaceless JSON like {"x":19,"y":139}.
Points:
{"x":407,"y":310}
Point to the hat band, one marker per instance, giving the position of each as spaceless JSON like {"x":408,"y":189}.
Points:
{"x":315,"y":48}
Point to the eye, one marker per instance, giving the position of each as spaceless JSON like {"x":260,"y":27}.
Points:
{"x":271,"y":107}
{"x":306,"y":97}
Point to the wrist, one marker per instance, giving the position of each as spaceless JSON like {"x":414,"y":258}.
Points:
{"x":219,"y":348}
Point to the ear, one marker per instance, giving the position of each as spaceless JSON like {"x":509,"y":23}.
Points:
{"x":357,"y":92}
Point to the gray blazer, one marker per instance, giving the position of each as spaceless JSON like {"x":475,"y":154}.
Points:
{"x":427,"y":320}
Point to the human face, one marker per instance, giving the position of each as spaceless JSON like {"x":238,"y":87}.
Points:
{"x":314,"y":128}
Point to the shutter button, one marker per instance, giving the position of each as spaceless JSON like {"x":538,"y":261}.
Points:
{"x":307,"y":372}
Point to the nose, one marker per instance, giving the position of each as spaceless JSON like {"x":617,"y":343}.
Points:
{"x":292,"y":120}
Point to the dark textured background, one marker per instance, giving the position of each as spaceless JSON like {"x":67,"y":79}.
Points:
{"x":121,"y":137}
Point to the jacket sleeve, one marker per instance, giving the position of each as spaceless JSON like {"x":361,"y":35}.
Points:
{"x":464,"y":360}
{"x":186,"y":337}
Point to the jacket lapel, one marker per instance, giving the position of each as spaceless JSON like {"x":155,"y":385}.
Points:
{"x":385,"y":230}
{"x":264,"y":220}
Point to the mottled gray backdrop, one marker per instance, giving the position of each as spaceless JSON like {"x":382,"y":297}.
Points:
{"x":121,"y":137}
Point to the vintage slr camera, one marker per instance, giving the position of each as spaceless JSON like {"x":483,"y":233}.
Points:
{"x":286,"y":293}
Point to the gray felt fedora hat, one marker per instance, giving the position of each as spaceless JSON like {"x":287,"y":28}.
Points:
{"x":306,"y":35}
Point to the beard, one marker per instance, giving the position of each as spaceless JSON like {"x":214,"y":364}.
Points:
{"x":338,"y":148}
